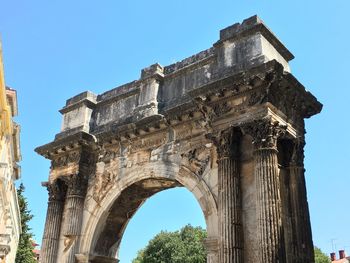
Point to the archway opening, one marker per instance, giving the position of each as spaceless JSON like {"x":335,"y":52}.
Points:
{"x":112,"y":239}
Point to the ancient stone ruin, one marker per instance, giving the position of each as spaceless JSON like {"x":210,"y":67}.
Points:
{"x":226,"y":123}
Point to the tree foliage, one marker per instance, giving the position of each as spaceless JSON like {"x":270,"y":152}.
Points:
{"x":25,"y":247}
{"x":320,"y":257}
{"x":181,"y":246}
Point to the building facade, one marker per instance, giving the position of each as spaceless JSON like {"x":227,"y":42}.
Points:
{"x":10,"y":224}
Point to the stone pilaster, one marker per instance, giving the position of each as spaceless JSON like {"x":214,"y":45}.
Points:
{"x":211,"y":245}
{"x":301,"y":226}
{"x":269,"y":230}
{"x":77,"y":185}
{"x":49,"y":247}
{"x":230,"y":198}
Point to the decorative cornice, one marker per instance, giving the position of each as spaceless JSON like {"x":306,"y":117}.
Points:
{"x":65,"y":144}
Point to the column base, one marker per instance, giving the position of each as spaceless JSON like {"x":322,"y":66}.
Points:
{"x":81,"y":258}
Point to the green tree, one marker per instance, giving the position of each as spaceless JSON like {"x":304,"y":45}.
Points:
{"x":25,"y":247}
{"x":181,"y":246}
{"x":320,"y":257}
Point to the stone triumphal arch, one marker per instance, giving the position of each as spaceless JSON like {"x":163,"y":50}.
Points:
{"x":226,"y":123}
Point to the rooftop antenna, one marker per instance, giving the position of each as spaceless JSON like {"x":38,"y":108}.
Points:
{"x":334,"y":246}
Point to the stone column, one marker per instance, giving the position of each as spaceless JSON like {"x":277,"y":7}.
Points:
{"x":301,"y":226}
{"x":76,"y":192}
{"x":270,"y":236}
{"x":229,"y":199}
{"x":49,"y":247}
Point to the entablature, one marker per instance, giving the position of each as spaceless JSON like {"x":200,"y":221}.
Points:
{"x":238,"y":80}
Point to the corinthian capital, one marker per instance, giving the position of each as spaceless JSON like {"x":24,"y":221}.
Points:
{"x":77,"y":184}
{"x":264,"y":133}
{"x":57,"y":190}
{"x":226,"y":142}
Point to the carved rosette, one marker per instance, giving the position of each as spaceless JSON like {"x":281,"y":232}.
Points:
{"x":103,"y":183}
{"x":264,"y":133}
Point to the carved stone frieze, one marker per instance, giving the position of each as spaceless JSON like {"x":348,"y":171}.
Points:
{"x":221,"y":108}
{"x":64,"y":160}
{"x":207,"y":112}
{"x":147,"y":143}
{"x":183,"y":133}
{"x":108,"y":154}
{"x":257,"y":97}
{"x":264,"y":132}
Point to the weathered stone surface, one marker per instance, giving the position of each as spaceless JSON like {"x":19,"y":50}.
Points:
{"x":220,"y":123}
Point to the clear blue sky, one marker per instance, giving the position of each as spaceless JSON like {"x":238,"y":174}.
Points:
{"x":56,"y":49}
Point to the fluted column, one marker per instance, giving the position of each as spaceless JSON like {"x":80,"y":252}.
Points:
{"x":230,"y":198}
{"x":76,"y":192}
{"x":49,"y":247}
{"x":270,"y":236}
{"x":301,"y":226}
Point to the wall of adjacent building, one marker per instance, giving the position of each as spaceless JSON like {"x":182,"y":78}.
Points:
{"x":10,"y":224}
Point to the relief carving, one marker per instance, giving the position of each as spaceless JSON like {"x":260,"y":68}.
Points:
{"x":183,"y":133}
{"x":257,"y":97}
{"x":104,"y":181}
{"x":68,"y":242}
{"x":221,"y":108}
{"x":147,"y":143}
{"x":196,"y":160}
{"x":64,"y":160}
{"x":207,"y":112}
{"x":107,"y":155}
